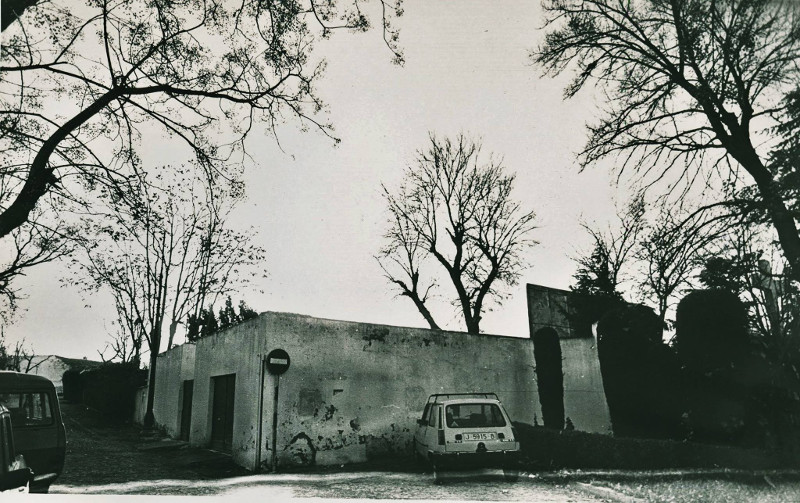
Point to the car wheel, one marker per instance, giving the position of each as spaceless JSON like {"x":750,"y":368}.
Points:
{"x":431,"y":467}
{"x":39,"y":489}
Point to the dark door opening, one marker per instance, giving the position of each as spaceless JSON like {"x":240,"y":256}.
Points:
{"x":222,"y":412}
{"x":549,"y":377}
{"x":186,"y":409}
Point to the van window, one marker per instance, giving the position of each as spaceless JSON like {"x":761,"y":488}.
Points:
{"x":474,"y":415}
{"x":6,"y":450}
{"x":28,"y":409}
{"x":432,"y":419}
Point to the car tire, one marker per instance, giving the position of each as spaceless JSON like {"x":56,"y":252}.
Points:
{"x":39,"y":489}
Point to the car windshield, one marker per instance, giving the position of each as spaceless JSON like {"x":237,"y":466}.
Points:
{"x":28,"y":409}
{"x":474,"y":415}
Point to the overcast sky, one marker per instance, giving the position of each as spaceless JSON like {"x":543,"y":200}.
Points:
{"x":318,"y":207}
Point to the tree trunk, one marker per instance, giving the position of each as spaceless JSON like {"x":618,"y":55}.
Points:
{"x":149,"y":417}
{"x":173,"y":326}
{"x":423,"y":310}
{"x":782,"y":220}
{"x":40,"y":175}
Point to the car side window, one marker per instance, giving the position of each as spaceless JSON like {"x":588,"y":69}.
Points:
{"x":426,"y":412}
{"x":432,"y":418}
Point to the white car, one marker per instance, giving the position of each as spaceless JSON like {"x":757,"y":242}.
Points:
{"x":469,"y":429}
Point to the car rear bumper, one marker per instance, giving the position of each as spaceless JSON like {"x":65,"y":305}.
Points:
{"x":474,"y":459}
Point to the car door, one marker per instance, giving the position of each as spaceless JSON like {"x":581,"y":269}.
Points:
{"x":431,"y":431}
{"x":419,"y":434}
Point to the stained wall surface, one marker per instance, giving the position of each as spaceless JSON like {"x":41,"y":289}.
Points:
{"x":353,"y":390}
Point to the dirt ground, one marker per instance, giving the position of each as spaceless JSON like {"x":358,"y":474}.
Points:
{"x":99,"y":453}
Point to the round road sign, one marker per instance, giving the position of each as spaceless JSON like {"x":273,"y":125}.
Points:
{"x":277,"y":362}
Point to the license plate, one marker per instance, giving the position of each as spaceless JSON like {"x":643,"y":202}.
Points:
{"x":479,"y":436}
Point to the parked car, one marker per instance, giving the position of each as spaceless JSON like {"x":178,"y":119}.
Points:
{"x":465,"y":429}
{"x":38,"y":428}
{"x":15,"y":476}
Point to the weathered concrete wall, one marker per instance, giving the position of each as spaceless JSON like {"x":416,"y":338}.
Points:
{"x":584,"y":398}
{"x":173,"y":367}
{"x":354,"y":390}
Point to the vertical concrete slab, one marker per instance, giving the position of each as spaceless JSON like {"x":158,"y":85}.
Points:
{"x":584,"y":397}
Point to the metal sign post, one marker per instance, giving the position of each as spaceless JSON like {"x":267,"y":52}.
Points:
{"x":277,"y":363}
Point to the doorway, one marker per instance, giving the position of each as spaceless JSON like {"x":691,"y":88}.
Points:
{"x":223,"y":388}
{"x":186,"y":409}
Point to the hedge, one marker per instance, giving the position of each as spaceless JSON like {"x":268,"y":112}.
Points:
{"x":543,"y":448}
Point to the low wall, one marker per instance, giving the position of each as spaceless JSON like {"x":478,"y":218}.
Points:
{"x":353,"y":391}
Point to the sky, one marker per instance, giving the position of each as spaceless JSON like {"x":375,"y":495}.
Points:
{"x":318,"y":209}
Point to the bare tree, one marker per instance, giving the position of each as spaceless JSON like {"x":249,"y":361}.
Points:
{"x":18,"y":359}
{"x":690,"y":84}
{"x":747,"y":263}
{"x":79,"y":83}
{"x":672,"y":252}
{"x":455,"y":210}
{"x":27,"y":246}
{"x":601,"y":271}
{"x":122,"y":348}
{"x":405,"y":252}
{"x":161,"y":259}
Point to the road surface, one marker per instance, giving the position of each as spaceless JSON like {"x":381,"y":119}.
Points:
{"x":484,"y":485}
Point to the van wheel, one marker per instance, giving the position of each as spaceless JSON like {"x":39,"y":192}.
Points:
{"x":437,"y":477}
{"x":39,"y":489}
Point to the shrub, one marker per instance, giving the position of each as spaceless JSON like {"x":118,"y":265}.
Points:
{"x":719,"y":370}
{"x":639,"y":374}
{"x":543,"y":448}
{"x":110,"y":389}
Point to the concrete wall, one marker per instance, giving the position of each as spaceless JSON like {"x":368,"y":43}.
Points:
{"x":584,"y":397}
{"x":353,"y":391}
{"x":173,"y":367}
